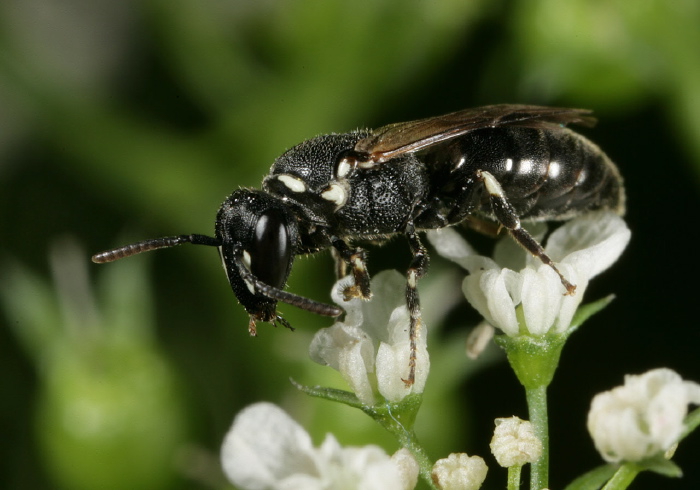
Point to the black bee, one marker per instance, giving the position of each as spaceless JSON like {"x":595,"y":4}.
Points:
{"x":503,"y":162}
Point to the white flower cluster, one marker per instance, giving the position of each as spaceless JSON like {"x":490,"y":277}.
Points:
{"x":265,"y":449}
{"x":370,"y":347}
{"x":582,"y":248}
{"x":642,"y":418}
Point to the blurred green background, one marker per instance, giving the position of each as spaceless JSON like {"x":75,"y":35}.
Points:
{"x":127,"y":120}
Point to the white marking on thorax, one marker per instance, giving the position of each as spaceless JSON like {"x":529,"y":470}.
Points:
{"x":335,"y":194}
{"x":344,"y":168}
{"x":292,"y":183}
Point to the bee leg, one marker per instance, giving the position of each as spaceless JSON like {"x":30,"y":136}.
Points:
{"x":356,"y":258}
{"x":485,"y":227}
{"x":341,"y":268}
{"x":506,"y":216}
{"x":419,"y":265}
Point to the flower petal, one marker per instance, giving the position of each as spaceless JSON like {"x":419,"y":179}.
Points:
{"x":265,"y":445}
{"x":389,"y":286}
{"x":408,"y":467}
{"x":450,"y":244}
{"x":590,"y":243}
{"x":488,"y":293}
{"x":349,"y":350}
{"x":393,"y":358}
{"x":375,"y":345}
{"x":267,"y":450}
{"x":353,"y":308}
{"x":363,"y":468}
{"x":510,"y":254}
{"x":393,"y":368}
{"x":642,"y":418}
{"x":541,"y":298}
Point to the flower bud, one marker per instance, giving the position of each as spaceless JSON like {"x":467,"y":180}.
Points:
{"x":459,"y":471}
{"x":514,"y":442}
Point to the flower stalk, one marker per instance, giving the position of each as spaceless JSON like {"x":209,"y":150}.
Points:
{"x":534,"y":361}
{"x":514,"y":477}
{"x":537,"y":411}
{"x":405,"y":436}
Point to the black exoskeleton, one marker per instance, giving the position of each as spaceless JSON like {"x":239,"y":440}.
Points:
{"x":503,"y":162}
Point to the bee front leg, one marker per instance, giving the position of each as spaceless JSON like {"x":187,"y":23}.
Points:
{"x":356,"y":258}
{"x":506,"y":216}
{"x":341,"y":268}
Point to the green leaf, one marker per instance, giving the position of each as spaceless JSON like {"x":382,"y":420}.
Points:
{"x":692,"y":421}
{"x":331,"y":394}
{"x":588,"y":310}
{"x":663,"y":467}
{"x":594,"y":479}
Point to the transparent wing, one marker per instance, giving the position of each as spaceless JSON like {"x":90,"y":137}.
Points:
{"x":395,"y":139}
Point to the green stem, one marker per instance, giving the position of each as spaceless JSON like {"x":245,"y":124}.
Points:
{"x":404,"y":434}
{"x":514,"y":477}
{"x":534,"y":360}
{"x":410,"y":442}
{"x":623,"y":477}
{"x":537,"y":406}
{"x":398,"y":419}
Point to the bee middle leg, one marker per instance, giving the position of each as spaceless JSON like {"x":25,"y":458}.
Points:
{"x":417,"y":269}
{"x":508,"y":218}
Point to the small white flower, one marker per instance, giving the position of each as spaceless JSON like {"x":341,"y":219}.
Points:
{"x":408,"y":467}
{"x":370,"y":347}
{"x":514,"y":442}
{"x":642,"y":418}
{"x":266,"y":449}
{"x":582,"y":248}
{"x":459,"y":471}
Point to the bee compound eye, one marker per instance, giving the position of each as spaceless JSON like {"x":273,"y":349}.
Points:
{"x":271,"y":250}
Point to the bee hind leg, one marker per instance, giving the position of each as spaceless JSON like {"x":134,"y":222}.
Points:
{"x":508,"y":218}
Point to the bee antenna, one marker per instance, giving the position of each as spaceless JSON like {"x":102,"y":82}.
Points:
{"x":285,"y":296}
{"x":153,"y":244}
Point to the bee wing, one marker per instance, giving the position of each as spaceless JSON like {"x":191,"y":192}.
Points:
{"x":407,"y":137}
